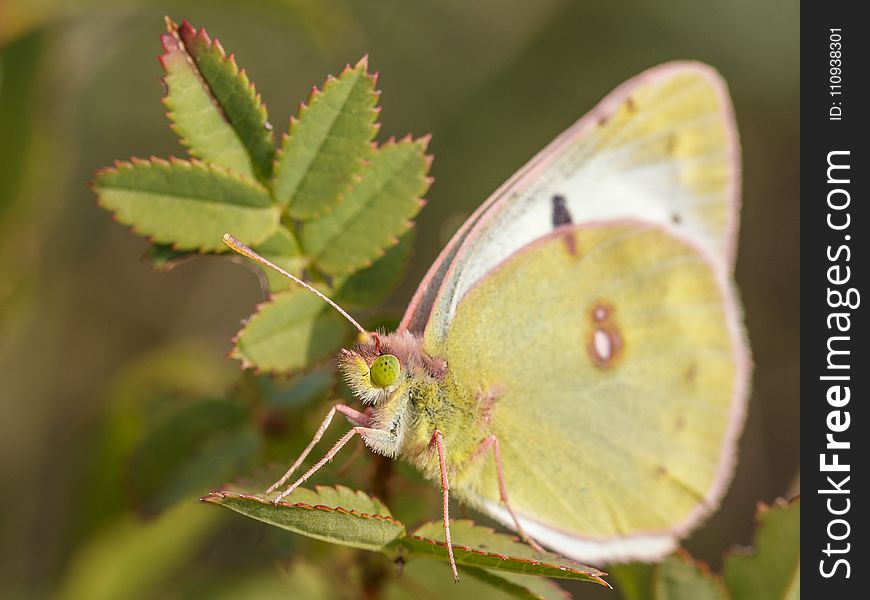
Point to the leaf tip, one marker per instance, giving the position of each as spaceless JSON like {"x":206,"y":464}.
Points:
{"x":187,"y":31}
{"x":170,"y":24}
{"x":213,"y":498}
{"x":597,"y":579}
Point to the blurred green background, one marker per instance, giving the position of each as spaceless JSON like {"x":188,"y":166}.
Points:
{"x":95,"y":345}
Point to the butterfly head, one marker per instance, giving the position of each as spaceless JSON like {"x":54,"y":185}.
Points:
{"x":371,"y":371}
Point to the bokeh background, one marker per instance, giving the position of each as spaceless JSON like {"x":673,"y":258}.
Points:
{"x":93,"y":342}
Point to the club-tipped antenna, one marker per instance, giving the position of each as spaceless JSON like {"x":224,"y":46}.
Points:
{"x":234,"y":244}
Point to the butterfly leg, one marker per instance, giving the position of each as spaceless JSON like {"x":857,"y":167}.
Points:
{"x":502,"y":488}
{"x":354,"y":415}
{"x":438,"y":442}
{"x":364,"y":432}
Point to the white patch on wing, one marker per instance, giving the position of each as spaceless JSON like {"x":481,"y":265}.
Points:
{"x":603,"y":347}
{"x":636,"y":547}
{"x":594,"y":192}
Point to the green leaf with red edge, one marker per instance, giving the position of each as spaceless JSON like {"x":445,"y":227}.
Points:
{"x":187,"y":204}
{"x":374,"y":213}
{"x":338,"y":515}
{"x":213,"y":106}
{"x":772,"y":570}
{"x":327,"y":143}
{"x":477,"y":546}
{"x":293,"y":330}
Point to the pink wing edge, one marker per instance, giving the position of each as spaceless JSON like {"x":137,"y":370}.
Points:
{"x":429,"y":291}
{"x":652,"y":545}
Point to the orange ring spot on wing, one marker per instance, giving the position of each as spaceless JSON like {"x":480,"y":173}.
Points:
{"x":605,"y":345}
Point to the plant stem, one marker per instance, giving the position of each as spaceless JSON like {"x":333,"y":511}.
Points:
{"x":375,"y":570}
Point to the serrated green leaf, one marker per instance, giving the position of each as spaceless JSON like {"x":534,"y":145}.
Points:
{"x":292,"y":331}
{"x":187,"y":204}
{"x":678,"y":577}
{"x":477,"y":546}
{"x":283,"y":250}
{"x":772,"y":571}
{"x":371,"y":216}
{"x":338,"y":515}
{"x":327,"y":143}
{"x":370,"y":286}
{"x":341,"y":496}
{"x":213,"y":106}
{"x":198,"y":446}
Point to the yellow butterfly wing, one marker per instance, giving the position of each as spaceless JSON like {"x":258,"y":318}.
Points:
{"x":661,"y":148}
{"x":615,"y":354}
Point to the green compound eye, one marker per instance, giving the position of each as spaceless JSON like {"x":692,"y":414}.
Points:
{"x":385,"y":370}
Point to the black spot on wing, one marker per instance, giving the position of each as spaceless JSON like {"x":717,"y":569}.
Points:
{"x":561,"y":216}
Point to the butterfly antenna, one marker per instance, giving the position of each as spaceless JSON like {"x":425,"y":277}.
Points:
{"x":236,"y":245}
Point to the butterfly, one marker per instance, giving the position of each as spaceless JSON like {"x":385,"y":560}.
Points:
{"x":574,"y":362}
